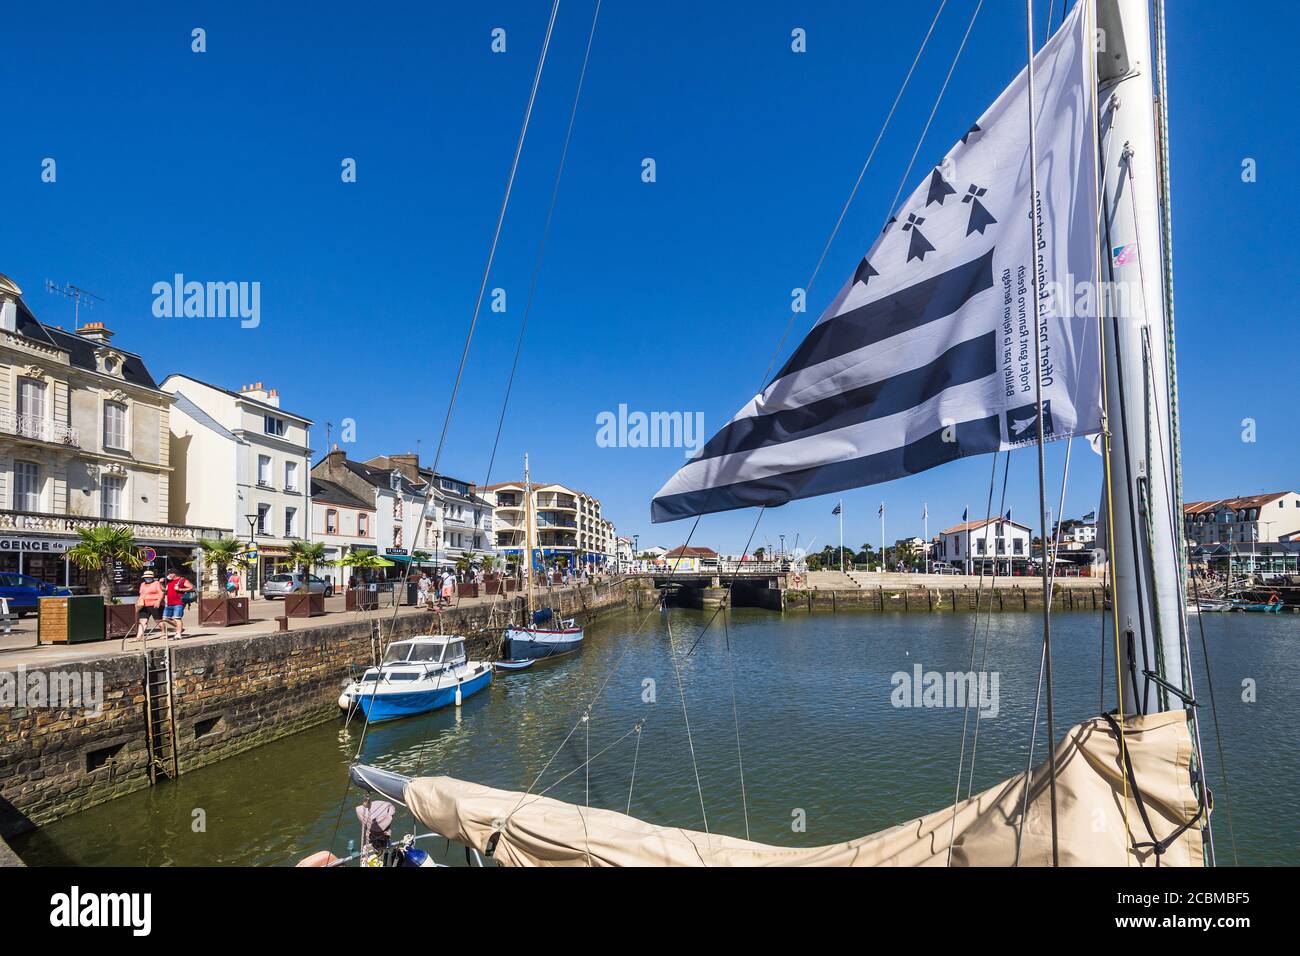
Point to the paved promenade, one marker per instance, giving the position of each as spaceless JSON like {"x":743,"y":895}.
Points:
{"x":18,"y":648}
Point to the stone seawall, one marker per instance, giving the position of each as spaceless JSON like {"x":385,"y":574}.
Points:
{"x":1001,"y":598}
{"x":228,"y":697}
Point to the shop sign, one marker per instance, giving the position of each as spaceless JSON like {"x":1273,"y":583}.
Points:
{"x":42,"y":545}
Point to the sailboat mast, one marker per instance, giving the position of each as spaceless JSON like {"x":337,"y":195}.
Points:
{"x":528,"y":535}
{"x":1143,"y":523}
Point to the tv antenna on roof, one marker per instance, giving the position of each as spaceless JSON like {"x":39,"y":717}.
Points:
{"x":77,"y":295}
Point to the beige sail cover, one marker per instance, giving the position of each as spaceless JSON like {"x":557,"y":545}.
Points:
{"x":1091,"y":804}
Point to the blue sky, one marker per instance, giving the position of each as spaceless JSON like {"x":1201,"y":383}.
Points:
{"x":666,"y":296}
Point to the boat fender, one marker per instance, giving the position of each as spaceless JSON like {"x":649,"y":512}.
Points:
{"x":320,"y":858}
{"x":414,"y":856}
{"x":458,"y":693}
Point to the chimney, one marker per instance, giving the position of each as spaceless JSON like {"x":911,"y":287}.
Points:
{"x":95,"y":332}
{"x":260,"y":393}
{"x":333,"y":462}
{"x":408,"y":465}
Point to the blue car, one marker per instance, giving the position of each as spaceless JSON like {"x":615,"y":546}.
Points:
{"x":22,"y":591}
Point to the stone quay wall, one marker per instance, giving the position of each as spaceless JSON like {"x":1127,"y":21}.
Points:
{"x":228,"y":696}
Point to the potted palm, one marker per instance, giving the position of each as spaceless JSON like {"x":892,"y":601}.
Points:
{"x":360,"y":598}
{"x":100,"y":551}
{"x":217,"y":606}
{"x":303,"y":603}
{"x":491,"y":579}
{"x":465,"y":565}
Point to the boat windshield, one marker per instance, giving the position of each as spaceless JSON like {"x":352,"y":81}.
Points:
{"x":428,"y":653}
{"x":396,"y":652}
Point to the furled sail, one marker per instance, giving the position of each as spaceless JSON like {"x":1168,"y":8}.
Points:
{"x":926,"y":354}
{"x":1100,"y":821}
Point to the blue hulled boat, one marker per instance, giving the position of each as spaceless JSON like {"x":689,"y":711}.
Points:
{"x":417,"y":675}
{"x":539,"y":641}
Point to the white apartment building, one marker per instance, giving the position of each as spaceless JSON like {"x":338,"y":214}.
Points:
{"x":973,"y":543}
{"x":242,"y":464}
{"x":462,"y":520}
{"x":343,"y":522}
{"x":400,"y":536}
{"x":1268,"y":518}
{"x":569,"y":523}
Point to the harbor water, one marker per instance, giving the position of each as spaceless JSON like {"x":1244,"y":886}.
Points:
{"x":826,"y":754}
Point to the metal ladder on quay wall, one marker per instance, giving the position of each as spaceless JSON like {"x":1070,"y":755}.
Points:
{"x":160,"y":715}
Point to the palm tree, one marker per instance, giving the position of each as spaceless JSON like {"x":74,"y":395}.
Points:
{"x":490,"y":563}
{"x":465,"y":561}
{"x":223,"y":554}
{"x":307,"y":555}
{"x":360,"y":561}
{"x":100,"y":550}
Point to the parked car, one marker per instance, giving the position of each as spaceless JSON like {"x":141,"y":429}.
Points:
{"x":23,"y":591}
{"x":282,"y":585}
{"x":943,"y":567}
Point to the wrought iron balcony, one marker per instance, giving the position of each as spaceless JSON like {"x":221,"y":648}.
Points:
{"x":38,"y":429}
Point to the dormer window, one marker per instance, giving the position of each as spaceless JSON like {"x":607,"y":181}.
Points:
{"x":109,"y":361}
{"x":273,"y":426}
{"x":395,"y":480}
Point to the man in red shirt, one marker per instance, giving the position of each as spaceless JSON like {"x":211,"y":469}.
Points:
{"x":174,"y":610}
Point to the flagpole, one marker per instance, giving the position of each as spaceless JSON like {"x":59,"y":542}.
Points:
{"x":841,"y":511}
{"x":1038,"y":399}
{"x":925,"y":545}
{"x":883,"y":551}
{"x":970,"y":565}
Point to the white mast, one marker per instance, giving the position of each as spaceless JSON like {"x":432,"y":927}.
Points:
{"x":1150,"y":612}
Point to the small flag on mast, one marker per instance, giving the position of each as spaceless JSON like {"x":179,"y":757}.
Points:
{"x":965,"y":515}
{"x":917,"y":362}
{"x":835,"y":510}
{"x":881,"y":512}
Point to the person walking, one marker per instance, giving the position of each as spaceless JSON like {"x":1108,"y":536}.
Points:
{"x":174,"y":608}
{"x":149,"y":607}
{"x":423,"y":588}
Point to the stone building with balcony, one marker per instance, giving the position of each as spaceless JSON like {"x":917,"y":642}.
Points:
{"x":84,"y":440}
{"x":569,"y":523}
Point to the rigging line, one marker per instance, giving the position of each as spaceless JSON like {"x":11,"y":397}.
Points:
{"x":730,"y":587}
{"x":735,"y":720}
{"x":1042,"y":657}
{"x":952,"y":67}
{"x":636,"y":755}
{"x":988,"y":623}
{"x":487,"y":272}
{"x":690,"y":740}
{"x":1186,"y":648}
{"x":609,"y":675}
{"x":974,"y":638}
{"x":469,"y":337}
{"x":1112,"y":104}
{"x":1214,"y":711}
{"x":541,"y":246}
{"x":854,"y":191}
{"x":1038,"y":399}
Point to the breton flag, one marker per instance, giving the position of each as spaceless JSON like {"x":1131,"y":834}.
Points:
{"x":835,"y":510}
{"x":926,"y":355}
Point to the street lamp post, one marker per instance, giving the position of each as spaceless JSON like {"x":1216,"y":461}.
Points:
{"x":252,"y":545}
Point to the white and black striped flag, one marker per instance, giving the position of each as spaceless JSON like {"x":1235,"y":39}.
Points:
{"x":926,"y":354}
